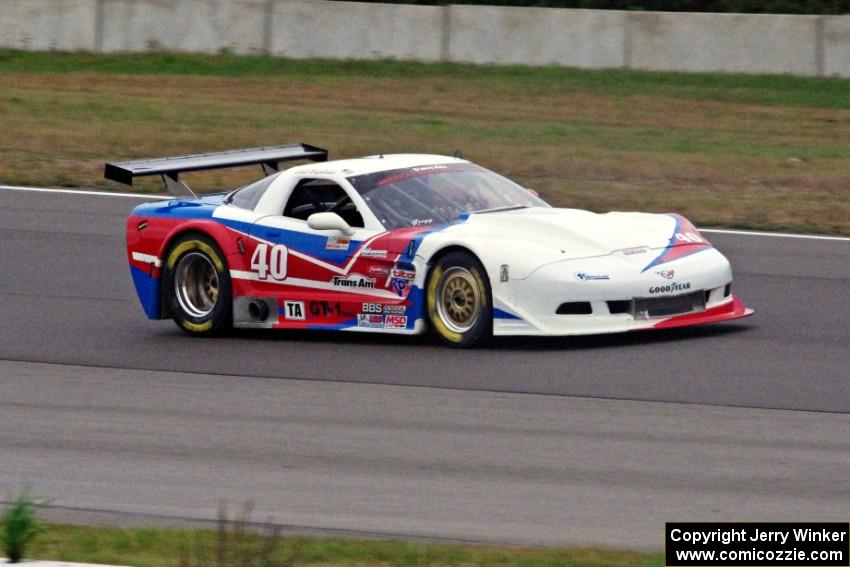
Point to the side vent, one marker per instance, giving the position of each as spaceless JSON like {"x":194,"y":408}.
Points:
{"x":574,"y":308}
{"x":620,"y":306}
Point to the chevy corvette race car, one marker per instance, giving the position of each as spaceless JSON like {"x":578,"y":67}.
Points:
{"x":404,"y":243}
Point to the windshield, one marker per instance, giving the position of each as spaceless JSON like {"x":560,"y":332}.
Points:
{"x":438,"y":194}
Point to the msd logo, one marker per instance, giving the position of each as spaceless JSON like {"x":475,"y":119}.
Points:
{"x":395,"y":321}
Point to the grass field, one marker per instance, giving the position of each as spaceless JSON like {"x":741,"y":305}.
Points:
{"x":762,"y":152}
{"x":164,"y":547}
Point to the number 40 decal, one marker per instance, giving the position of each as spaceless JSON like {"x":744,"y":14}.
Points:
{"x":689,"y":237}
{"x":269,"y":261}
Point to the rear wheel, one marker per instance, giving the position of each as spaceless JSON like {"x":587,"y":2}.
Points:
{"x":196,"y":285}
{"x":458,"y":297}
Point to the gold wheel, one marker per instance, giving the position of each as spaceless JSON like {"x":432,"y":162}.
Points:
{"x":458,"y":299}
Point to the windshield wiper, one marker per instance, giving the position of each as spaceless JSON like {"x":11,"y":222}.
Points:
{"x":500,"y":209}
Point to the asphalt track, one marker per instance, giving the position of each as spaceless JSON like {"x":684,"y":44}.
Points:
{"x":580,"y":440}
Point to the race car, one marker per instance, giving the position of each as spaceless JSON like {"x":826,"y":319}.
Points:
{"x":405,"y":243}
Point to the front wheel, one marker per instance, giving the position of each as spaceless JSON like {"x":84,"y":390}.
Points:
{"x":458,"y":298}
{"x":196,"y":285}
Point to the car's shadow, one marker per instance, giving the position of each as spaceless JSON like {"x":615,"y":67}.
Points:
{"x":587,"y":342}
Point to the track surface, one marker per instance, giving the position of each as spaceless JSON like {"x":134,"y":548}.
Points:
{"x":67,"y":286}
{"x":481,"y":464}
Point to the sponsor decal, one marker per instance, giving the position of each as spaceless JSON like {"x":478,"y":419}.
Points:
{"x":379,"y":271}
{"x":294,"y":310}
{"x":372,"y":253}
{"x":395,"y":321}
{"x":354,"y":280}
{"x":406,"y":274}
{"x":503,"y":273}
{"x":671,"y":287}
{"x":337,"y":243}
{"x":666,"y":274}
{"x":417,"y":171}
{"x":373,"y":308}
{"x":369,"y":320}
{"x":326,"y":309}
{"x":399,"y":285}
{"x":632,"y":251}
{"x":421,"y":222}
{"x":585,"y":277}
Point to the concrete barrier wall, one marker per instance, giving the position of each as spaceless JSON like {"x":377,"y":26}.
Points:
{"x":738,"y":43}
{"x":836,"y":46}
{"x":67,"y":25}
{"x":536,"y":36}
{"x":356,"y":30}
{"x":745,"y":43}
{"x":205,"y":26}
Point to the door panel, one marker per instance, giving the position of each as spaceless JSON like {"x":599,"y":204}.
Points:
{"x":324,"y":279}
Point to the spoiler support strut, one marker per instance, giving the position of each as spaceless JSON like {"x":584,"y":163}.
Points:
{"x":175,"y":186}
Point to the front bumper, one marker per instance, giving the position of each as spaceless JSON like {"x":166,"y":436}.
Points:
{"x":611,"y":294}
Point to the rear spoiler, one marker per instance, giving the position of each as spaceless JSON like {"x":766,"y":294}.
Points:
{"x":170,"y":168}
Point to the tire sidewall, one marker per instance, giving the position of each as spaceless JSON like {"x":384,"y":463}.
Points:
{"x":482,"y":330}
{"x":221,"y":314}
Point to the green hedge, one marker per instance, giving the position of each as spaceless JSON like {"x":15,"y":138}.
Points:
{"x":740,"y":6}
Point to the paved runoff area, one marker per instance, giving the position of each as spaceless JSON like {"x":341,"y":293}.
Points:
{"x":599,"y":440}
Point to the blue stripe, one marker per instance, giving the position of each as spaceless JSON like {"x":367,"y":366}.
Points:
{"x":670,"y":244}
{"x":147,"y":288}
{"x":335,"y":326}
{"x":312,"y":244}
{"x":502,"y":314}
{"x":417,"y":240}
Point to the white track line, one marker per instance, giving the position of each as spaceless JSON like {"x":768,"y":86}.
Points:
{"x":775,"y":234}
{"x":81,"y":192}
{"x":144,"y":196}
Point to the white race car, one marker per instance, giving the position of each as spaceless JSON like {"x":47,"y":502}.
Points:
{"x":404,"y":243}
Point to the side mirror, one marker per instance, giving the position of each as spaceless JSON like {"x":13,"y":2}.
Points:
{"x":329,"y":221}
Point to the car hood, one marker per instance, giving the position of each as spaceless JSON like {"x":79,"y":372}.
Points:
{"x":527,"y":239}
{"x":574,"y":233}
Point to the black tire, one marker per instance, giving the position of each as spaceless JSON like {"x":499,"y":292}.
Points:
{"x":459,"y":302}
{"x":196,"y":285}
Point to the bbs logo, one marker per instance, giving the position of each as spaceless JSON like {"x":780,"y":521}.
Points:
{"x":373,"y":308}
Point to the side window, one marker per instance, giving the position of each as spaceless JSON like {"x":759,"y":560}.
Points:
{"x":321,"y":196}
{"x":248,"y":196}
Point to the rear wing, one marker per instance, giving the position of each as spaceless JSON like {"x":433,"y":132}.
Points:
{"x":170,"y":168}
